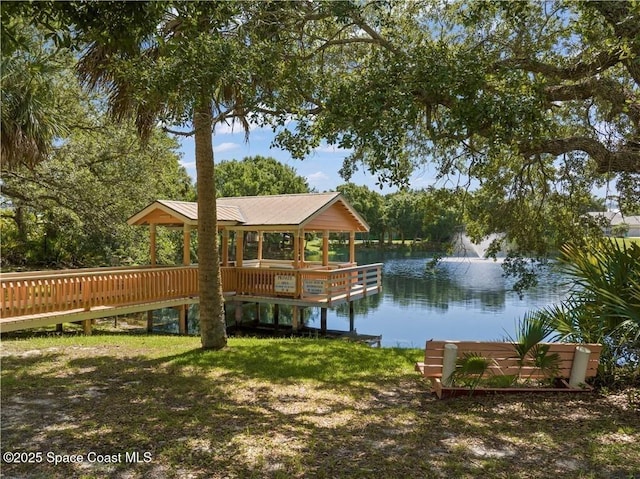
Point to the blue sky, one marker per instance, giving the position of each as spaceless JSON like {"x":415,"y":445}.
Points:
{"x":320,"y":168}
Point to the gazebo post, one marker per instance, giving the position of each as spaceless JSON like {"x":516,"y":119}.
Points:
{"x":186,"y":249}
{"x":152,"y":244}
{"x":225,"y":247}
{"x":325,"y":248}
{"x":296,"y":250}
{"x":301,"y":245}
{"x":239,"y":248}
{"x":260,"y":235}
{"x":352,"y":247}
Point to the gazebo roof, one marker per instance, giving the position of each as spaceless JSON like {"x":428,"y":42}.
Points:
{"x":307,"y":211}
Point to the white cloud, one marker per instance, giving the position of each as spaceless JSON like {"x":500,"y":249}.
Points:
{"x":228,"y":129}
{"x":227,"y":146}
{"x":331,"y":149}
{"x":317,"y":176}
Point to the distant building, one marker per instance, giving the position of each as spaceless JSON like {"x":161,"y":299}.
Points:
{"x":614,"y":220}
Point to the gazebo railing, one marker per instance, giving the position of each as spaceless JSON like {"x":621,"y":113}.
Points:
{"x":308,"y":282}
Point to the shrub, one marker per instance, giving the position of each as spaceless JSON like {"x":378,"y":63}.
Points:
{"x":603,"y":306}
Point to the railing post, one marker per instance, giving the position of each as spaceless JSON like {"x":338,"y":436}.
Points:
{"x":449,"y":359}
{"x":4,"y":307}
{"x":579,"y":366}
{"x":86,"y":293}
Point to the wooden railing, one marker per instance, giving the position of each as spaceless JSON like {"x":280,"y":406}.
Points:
{"x":42,"y":292}
{"x":31,"y":293}
{"x":320,"y":282}
{"x":351,"y":280}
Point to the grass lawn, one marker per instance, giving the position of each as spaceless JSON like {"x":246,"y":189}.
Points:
{"x":286,"y":409}
{"x":629,"y":241}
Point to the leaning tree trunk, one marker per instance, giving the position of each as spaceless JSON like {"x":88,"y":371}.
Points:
{"x":213,"y":331}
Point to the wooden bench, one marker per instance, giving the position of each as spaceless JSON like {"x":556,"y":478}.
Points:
{"x":503,"y":360}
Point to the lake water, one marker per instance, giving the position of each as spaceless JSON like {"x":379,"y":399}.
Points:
{"x":463,"y":299}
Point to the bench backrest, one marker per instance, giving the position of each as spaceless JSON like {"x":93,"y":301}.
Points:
{"x":505,"y":359}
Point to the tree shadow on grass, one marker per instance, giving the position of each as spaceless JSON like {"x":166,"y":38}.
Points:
{"x":537,"y":435}
{"x":294,"y":409}
{"x":295,"y":360}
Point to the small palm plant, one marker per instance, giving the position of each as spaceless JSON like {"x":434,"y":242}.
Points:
{"x":470,"y":370}
{"x":531,"y":331}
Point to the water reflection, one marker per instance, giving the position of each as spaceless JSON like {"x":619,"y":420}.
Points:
{"x":461,"y":298}
{"x":477,"y":283}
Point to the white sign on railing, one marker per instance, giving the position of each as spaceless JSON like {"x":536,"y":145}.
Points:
{"x":314,"y":286}
{"x":285,"y":284}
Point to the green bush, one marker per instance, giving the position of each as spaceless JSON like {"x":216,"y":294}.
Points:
{"x":603,"y":306}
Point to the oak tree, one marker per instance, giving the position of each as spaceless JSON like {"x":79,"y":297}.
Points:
{"x":528,"y":105}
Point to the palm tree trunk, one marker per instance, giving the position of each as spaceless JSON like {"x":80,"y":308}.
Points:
{"x":213,"y":331}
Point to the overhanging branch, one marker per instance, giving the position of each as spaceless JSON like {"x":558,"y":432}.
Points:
{"x":179,"y":133}
{"x":577,"y":71}
{"x":626,"y":159}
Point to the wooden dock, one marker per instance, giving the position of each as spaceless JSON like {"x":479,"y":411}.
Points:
{"x":36,"y":299}
{"x":41,"y":298}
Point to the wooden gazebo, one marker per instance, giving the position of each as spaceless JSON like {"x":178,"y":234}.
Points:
{"x":296,"y":281}
{"x":296,"y":214}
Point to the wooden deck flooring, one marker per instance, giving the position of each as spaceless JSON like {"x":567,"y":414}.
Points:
{"x":322,"y":301}
{"x":18,"y":323}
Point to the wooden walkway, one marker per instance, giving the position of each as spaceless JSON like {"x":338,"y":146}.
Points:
{"x":43,"y":298}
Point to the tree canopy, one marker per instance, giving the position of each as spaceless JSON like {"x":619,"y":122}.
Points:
{"x":66,"y":202}
{"x":34,"y":114}
{"x":529,"y":104}
{"x":258,"y":175}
